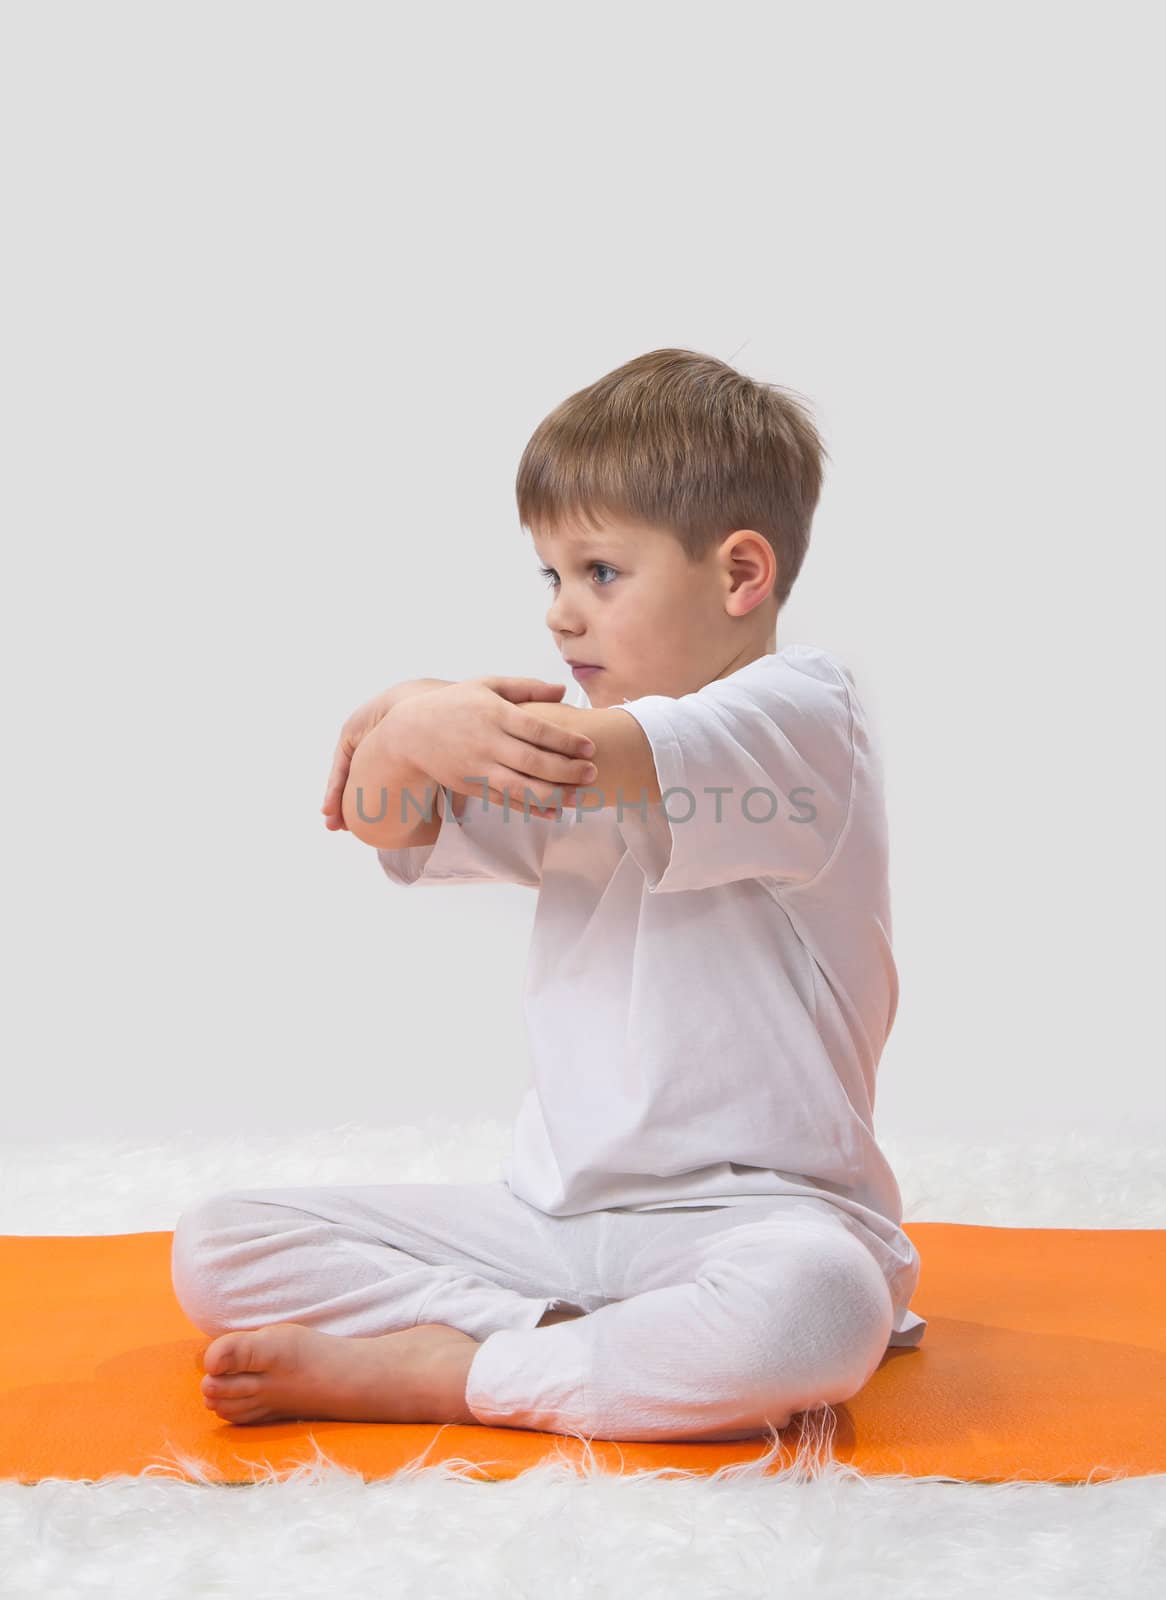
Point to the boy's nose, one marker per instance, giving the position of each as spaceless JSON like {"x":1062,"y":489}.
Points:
{"x":561,"y":617}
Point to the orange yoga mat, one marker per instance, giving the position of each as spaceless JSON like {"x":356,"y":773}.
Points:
{"x":1044,"y":1359}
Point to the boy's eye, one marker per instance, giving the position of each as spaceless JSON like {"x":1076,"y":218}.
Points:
{"x":552,"y":576}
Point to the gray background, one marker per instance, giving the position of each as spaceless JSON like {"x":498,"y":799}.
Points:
{"x":286,"y":290}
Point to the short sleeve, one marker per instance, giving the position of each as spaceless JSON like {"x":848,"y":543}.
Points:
{"x":755,"y":771}
{"x":487,"y":844}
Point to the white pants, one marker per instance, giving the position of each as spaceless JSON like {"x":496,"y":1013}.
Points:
{"x":708,"y":1323}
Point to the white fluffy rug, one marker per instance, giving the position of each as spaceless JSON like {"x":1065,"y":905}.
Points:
{"x":818,"y":1529}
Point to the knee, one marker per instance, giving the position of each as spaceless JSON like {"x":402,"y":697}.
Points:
{"x":815,"y":1335}
{"x":853,"y":1309}
{"x":207,"y":1254}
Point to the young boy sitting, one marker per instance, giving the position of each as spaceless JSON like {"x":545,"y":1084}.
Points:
{"x":697,"y":1234}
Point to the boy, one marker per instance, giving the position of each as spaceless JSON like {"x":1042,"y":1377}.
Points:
{"x":694,"y":1180}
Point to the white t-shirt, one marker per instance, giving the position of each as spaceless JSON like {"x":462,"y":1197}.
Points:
{"x":710,"y":980}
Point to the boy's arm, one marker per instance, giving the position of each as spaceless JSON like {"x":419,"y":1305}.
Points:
{"x":625,"y":769}
{"x":355,"y":729}
{"x":383,"y":775}
{"x":626,"y":773}
{"x":365,"y":719}
{"x":387,"y":784}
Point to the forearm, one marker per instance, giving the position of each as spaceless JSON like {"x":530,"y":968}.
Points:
{"x":625,"y":769}
{"x":387,"y":796}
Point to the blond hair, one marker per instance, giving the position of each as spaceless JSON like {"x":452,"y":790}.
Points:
{"x":684,"y":442}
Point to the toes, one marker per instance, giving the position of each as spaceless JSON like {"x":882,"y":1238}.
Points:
{"x":231,"y":1352}
{"x":240,"y":1412}
{"x":234,"y":1386}
{"x":256,"y":1414}
{"x":219,"y":1355}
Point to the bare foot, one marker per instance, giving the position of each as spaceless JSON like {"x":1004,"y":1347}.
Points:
{"x":288,"y":1371}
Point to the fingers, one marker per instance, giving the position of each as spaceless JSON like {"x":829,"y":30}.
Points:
{"x":540,"y":750}
{"x":332,"y":804}
{"x":334,"y":792}
{"x":519,"y":689}
{"x":529,"y":727}
{"x":335,"y":788}
{"x":543,"y":770}
{"x":333,"y":795}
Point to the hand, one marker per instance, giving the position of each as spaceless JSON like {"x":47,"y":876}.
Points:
{"x":366,"y":717}
{"x":476,"y":731}
{"x":362,"y":721}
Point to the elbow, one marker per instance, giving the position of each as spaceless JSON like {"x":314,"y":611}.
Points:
{"x":366,"y":803}
{"x":380,"y":816}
